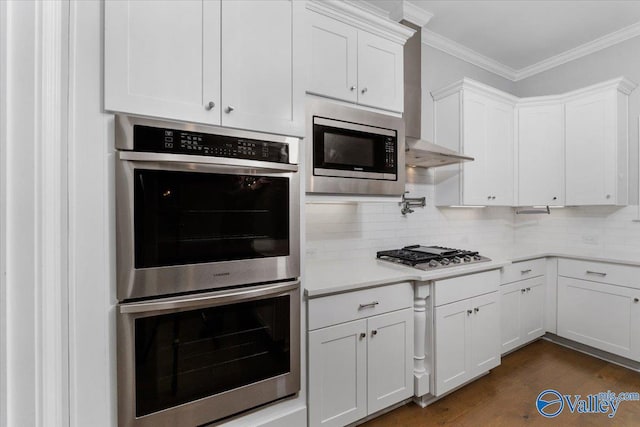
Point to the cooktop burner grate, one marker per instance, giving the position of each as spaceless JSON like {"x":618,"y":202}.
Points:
{"x":431,"y":257}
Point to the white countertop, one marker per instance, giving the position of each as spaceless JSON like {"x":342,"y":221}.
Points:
{"x":325,"y":277}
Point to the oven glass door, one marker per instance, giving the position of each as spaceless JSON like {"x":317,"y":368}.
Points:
{"x":198,"y":358}
{"x":190,"y":217}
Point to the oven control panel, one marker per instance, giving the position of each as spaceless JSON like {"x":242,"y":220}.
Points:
{"x":161,"y":140}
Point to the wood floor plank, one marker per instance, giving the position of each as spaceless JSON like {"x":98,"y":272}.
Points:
{"x":506,"y":397}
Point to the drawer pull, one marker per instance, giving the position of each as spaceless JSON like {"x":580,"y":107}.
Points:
{"x":597,"y":273}
{"x":525,"y":271}
{"x":370,"y":305}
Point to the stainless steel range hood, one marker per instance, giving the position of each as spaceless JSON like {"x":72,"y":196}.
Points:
{"x":420,"y":152}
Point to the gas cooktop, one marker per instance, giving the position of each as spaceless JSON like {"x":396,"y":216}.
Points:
{"x":431,"y":257}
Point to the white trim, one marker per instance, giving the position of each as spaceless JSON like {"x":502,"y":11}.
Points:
{"x":3,"y":213}
{"x":453,"y":48}
{"x":51,"y":221}
{"x":353,"y":14}
{"x":471,"y":56}
{"x":588,"y":48}
{"x":412,"y":13}
{"x":470,"y":84}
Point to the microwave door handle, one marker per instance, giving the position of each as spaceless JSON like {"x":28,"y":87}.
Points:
{"x":208,"y":299}
{"x":137,"y":156}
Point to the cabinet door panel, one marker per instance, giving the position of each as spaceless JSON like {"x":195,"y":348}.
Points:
{"x":390,"y":357}
{"x":598,"y":315}
{"x":262,"y":65}
{"x":337,"y":374}
{"x":533,"y":308}
{"x":474,"y":189}
{"x":452,"y":346}
{"x":334,"y":58}
{"x":485,"y":333}
{"x":154,"y":62}
{"x":591,"y":150}
{"x":510,"y":314}
{"x":541,"y":155}
{"x":499,"y":154}
{"x":380,"y":76}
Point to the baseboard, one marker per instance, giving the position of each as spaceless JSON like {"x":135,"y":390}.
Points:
{"x":380,"y":412}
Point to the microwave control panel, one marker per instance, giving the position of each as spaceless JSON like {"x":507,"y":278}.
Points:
{"x":162,"y":140}
{"x":390,"y":152}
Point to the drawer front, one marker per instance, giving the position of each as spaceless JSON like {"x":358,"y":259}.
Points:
{"x":616,"y":274}
{"x":339,"y":308}
{"x":459,"y":288}
{"x":523,"y":270}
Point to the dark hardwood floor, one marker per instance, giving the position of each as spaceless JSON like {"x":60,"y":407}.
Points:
{"x":507,"y":396}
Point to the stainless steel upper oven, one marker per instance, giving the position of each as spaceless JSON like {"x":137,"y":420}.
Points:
{"x":203,"y":208}
{"x":354,"y":151}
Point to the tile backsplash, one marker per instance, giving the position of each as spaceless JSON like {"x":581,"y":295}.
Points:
{"x":359,"y":230}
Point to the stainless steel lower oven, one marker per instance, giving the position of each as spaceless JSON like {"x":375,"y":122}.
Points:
{"x":194,"y":359}
{"x":207,"y":254}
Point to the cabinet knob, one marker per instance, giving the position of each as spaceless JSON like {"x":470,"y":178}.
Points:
{"x":523,"y":290}
{"x":476,"y":309}
{"x":608,"y":196}
{"x":352,"y":88}
{"x":364,"y":90}
{"x":210,"y":105}
{"x":636,"y":300}
{"x":528,"y":289}
{"x":555,"y":198}
{"x":363,"y":335}
{"x":374,"y":332}
{"x":469,"y":312}
{"x":488,"y":197}
{"x":230,"y":108}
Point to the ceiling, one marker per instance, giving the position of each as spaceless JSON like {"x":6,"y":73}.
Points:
{"x":521,"y":34}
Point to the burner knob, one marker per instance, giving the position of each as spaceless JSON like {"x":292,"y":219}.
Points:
{"x":477,"y":257}
{"x":467,"y":258}
{"x":456,"y":260}
{"x":433,"y":263}
{"x":445,"y":261}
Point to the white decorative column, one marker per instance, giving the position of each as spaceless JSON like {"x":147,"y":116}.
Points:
{"x":421,"y":372}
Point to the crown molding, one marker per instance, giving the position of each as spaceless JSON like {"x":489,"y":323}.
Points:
{"x":365,"y":18}
{"x":453,"y":48}
{"x":412,"y":13}
{"x":470,"y":84}
{"x":603,"y":42}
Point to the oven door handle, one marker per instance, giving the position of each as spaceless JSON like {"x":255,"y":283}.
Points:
{"x":208,"y":299}
{"x":137,"y":156}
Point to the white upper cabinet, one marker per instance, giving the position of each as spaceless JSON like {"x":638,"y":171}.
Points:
{"x":597,"y":145}
{"x":540,"y":154}
{"x":486,"y":121}
{"x":356,"y":56}
{"x":237,"y":64}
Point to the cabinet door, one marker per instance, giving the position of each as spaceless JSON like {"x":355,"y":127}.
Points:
{"x":390,"y":359}
{"x":334,"y":58}
{"x":380,"y":75}
{"x":154,"y":63}
{"x":540,"y":155}
{"x":262,"y":65}
{"x":474,"y":188}
{"x":591,"y":150}
{"x":452,"y":345}
{"x":510,"y":315}
{"x":602,"y":316}
{"x":338,"y":374}
{"x":533,"y":308}
{"x":498,"y":165}
{"x":485,"y":333}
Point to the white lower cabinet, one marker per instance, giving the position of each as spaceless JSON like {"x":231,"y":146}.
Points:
{"x":600,"y":315}
{"x":522,"y":312}
{"x":467,"y":340}
{"x":359,"y":367}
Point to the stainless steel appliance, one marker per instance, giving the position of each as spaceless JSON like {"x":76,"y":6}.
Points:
{"x":431,"y":257}
{"x":354,"y":151}
{"x":207,"y":271}
{"x":202,"y":208}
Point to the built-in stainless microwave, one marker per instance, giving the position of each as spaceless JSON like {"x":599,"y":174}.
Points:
{"x":354,"y":151}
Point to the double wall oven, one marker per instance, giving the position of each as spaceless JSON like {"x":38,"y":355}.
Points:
{"x":207,"y":271}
